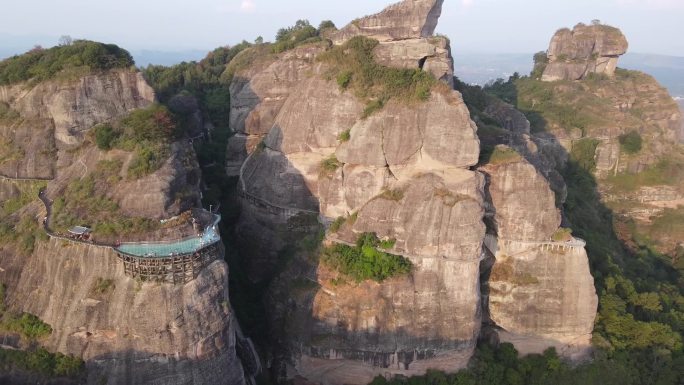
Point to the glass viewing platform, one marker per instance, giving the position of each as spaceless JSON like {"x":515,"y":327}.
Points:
{"x":173,"y":248}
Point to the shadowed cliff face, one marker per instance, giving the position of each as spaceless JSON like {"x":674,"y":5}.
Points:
{"x":330,"y":329}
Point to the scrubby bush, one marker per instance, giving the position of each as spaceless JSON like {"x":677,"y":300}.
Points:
{"x":541,"y":60}
{"x":104,"y":136}
{"x":330,"y":165}
{"x":344,"y":136}
{"x":343,"y":79}
{"x":630,"y":142}
{"x":28,"y":325}
{"x":584,"y":153}
{"x":300,"y":33}
{"x":41,"y":361}
{"x":365,"y":261}
{"x":353,"y":66}
{"x":336,"y":224}
{"x":562,"y":235}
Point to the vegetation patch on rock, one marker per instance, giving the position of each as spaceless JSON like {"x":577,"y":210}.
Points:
{"x":352,"y":65}
{"x":85,"y":202}
{"x":81,"y":56}
{"x":503,"y":155}
{"x":365,"y":261}
{"x":149,"y":132}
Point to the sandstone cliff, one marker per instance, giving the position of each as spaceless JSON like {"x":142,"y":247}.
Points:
{"x":131,"y":332}
{"x":403,"y":172}
{"x":540,"y":290}
{"x":127,"y":331}
{"x":55,"y":115}
{"x":574,"y":54}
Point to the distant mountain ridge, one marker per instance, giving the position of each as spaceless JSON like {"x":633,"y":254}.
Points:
{"x":479,"y":68}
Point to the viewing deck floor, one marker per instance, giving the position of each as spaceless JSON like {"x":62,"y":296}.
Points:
{"x":169,"y":249}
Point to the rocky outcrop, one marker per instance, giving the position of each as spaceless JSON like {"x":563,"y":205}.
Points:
{"x":523,"y":202}
{"x":403,"y":171}
{"x":541,"y":297}
{"x":128,"y":331}
{"x":540,"y":291}
{"x":257,"y":94}
{"x":55,"y":115}
{"x":574,"y":54}
{"x":409,"y":19}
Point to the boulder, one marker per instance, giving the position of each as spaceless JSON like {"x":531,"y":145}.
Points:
{"x":409,"y":19}
{"x":573,"y":55}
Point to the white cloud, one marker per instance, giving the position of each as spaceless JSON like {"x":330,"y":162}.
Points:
{"x":467,"y":3}
{"x":247,"y":5}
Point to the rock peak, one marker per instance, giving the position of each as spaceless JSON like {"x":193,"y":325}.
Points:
{"x":574,"y":54}
{"x":409,"y":19}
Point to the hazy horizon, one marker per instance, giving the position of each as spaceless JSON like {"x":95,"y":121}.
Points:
{"x":474,"y":26}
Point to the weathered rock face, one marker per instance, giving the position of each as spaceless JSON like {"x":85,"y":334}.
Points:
{"x":409,"y":19}
{"x":172,"y":189}
{"x":543,"y":296}
{"x":540,"y":292}
{"x":354,"y":332}
{"x":129,"y":332}
{"x":575,"y":54}
{"x":132,"y":332}
{"x":256,"y":96}
{"x":56,"y":115}
{"x":419,"y":152}
{"x":523,"y":202}
{"x":432,"y":54}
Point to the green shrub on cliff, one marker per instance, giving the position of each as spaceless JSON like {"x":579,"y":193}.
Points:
{"x":42,"y":362}
{"x":584,"y":153}
{"x":353,"y":66}
{"x":28,"y":325}
{"x":630,"y":142}
{"x":365,"y":261}
{"x":42,"y":64}
{"x":104,"y":136}
{"x":300,"y":33}
{"x":148,"y":131}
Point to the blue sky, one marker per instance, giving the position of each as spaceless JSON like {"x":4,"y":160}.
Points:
{"x":505,"y":26}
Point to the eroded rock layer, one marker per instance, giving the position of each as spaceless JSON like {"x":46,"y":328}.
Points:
{"x":574,"y":54}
